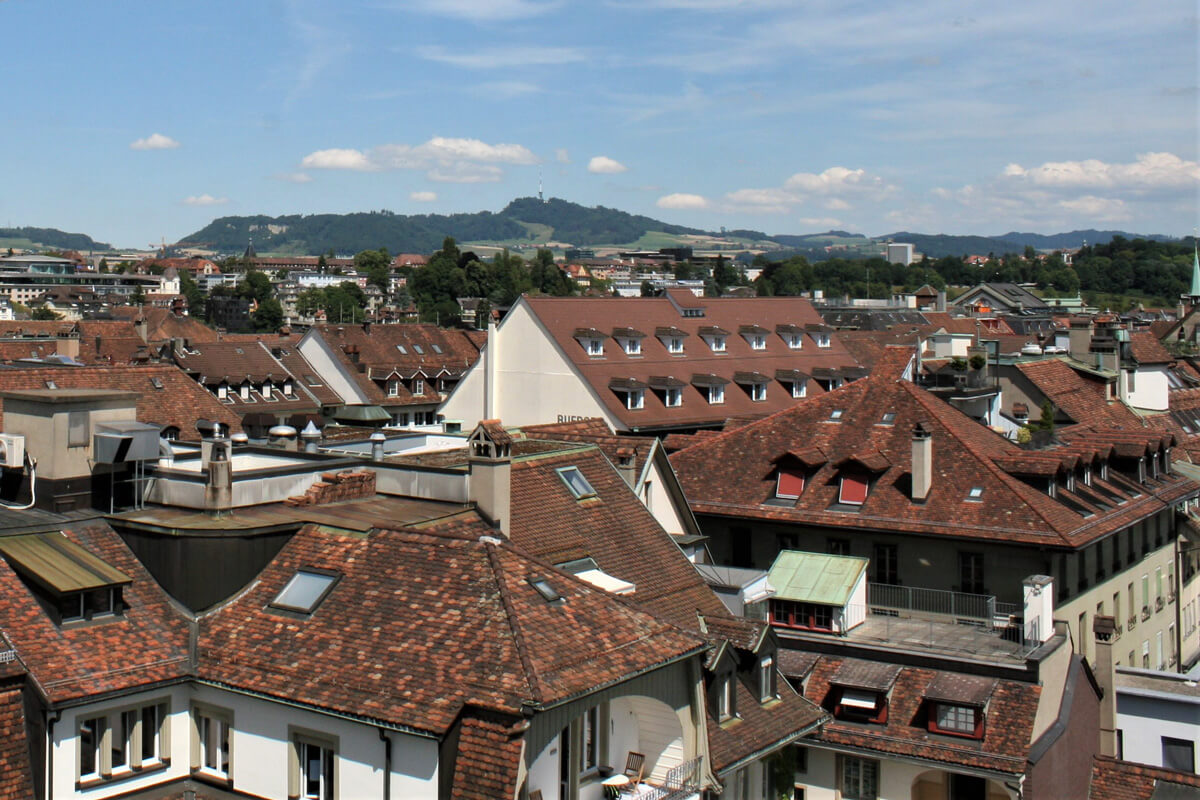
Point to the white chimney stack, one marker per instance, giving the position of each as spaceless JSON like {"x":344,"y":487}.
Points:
{"x":922,"y":463}
{"x":1038,"y":591}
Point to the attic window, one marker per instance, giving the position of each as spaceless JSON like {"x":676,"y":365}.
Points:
{"x":418,"y":349}
{"x":304,"y":592}
{"x":403,"y":350}
{"x":853,"y":490}
{"x":889,"y":418}
{"x":543,"y":587}
{"x":239,"y":351}
{"x":51,"y":385}
{"x":156,"y":382}
{"x":789,"y":483}
{"x":436,"y":348}
{"x":575,"y":481}
{"x":836,"y":415}
{"x":976,"y":493}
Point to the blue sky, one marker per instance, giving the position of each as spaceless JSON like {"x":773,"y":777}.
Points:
{"x":133,"y":121}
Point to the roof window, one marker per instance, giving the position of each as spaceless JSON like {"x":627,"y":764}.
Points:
{"x":418,"y":349}
{"x":156,"y":382}
{"x":976,"y":493}
{"x":82,"y":585}
{"x":543,"y":587}
{"x":436,"y":348}
{"x":836,"y":415}
{"x":403,"y":350}
{"x":51,"y":385}
{"x":575,"y":481}
{"x":888,"y":418}
{"x":305,"y":591}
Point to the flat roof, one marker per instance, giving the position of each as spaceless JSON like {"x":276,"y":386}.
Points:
{"x":815,"y":577}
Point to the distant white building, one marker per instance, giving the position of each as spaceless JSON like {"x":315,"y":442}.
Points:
{"x":899,"y":253}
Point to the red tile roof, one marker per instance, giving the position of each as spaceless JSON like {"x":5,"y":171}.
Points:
{"x":378,"y":347}
{"x":180,"y":403}
{"x":1008,"y":730}
{"x":16,"y":775}
{"x":1147,"y":349}
{"x":562,"y":317}
{"x":488,"y":759}
{"x":733,"y":475}
{"x":464,"y":626}
{"x":163,"y":325}
{"x":146,"y":644}
{"x":1082,"y":399}
{"x":1123,"y":780}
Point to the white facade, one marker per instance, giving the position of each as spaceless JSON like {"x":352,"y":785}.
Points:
{"x":261,"y":743}
{"x":895,"y":778}
{"x":1157,"y":714}
{"x":1146,"y":387}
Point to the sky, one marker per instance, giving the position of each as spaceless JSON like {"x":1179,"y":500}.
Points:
{"x":138,"y":121}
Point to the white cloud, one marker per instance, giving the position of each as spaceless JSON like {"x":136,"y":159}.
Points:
{"x":155,"y":141}
{"x":422,"y":197}
{"x":561,"y":156}
{"x":823,"y":188}
{"x":293,"y":177}
{"x":681,"y":200}
{"x":761,"y":201}
{"x":1104,"y":209}
{"x":837,"y":204}
{"x":835,"y":180}
{"x":603,"y":165}
{"x":501,"y":57}
{"x":465,"y":172}
{"x":205,"y":200}
{"x":337,"y":158}
{"x":1149,"y":172}
{"x":482,"y":10}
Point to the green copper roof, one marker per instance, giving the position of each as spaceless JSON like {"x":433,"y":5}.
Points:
{"x":1195,"y":272}
{"x":815,"y":577}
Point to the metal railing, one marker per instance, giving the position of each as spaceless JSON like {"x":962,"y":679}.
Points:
{"x":940,"y":602}
{"x":681,"y":781}
{"x":1003,"y":637}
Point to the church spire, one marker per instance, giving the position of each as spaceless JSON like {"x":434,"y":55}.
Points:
{"x":1195,"y":272}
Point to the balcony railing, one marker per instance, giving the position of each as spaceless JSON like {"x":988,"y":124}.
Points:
{"x":681,"y":782}
{"x":942,"y":603}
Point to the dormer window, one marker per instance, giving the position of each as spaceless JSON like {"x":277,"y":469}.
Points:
{"x":716,"y":395}
{"x":79,"y":585}
{"x":594,"y":347}
{"x":674,"y":344}
{"x":956,"y":704}
{"x":592,"y":341}
{"x":635,"y":399}
{"x":789,"y":483}
{"x":799,"y":388}
{"x":673,"y":397}
{"x":1087,"y":475}
{"x":266,"y":390}
{"x":418,"y":386}
{"x":717,"y":343}
{"x":629,"y":340}
{"x":287,"y":389}
{"x":853,"y":489}
{"x":758,"y":391}
{"x":632,"y":347}
{"x":223,"y":391}
{"x":766,"y":679}
{"x":672,"y":339}
{"x":755,"y":336}
{"x":726,"y":699}
{"x":862,"y":689}
{"x":822,"y":339}
{"x":245,"y":392}
{"x":955,"y":720}
{"x":632,"y":391}
{"x":393,"y":387}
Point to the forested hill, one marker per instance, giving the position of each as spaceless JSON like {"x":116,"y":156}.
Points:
{"x":51,"y":238}
{"x":526,"y":219}
{"x":942,"y":245}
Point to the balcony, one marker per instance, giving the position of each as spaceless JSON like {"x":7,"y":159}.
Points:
{"x":1132,"y":621}
{"x":1159,"y":603}
{"x":1145,"y":613}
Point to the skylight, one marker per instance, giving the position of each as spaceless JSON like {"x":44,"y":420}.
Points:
{"x":418,"y":350}
{"x":544,"y":588}
{"x":835,"y":415}
{"x":575,"y":481}
{"x":304,"y":592}
{"x":436,"y":348}
{"x":403,"y":350}
{"x":976,"y":493}
{"x":51,"y":385}
{"x":156,"y":382}
{"x":889,"y":418}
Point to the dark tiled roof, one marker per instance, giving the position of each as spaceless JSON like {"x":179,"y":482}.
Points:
{"x":760,"y":725}
{"x":954,"y":687}
{"x":596,"y":431}
{"x":16,"y":775}
{"x":463,"y":626}
{"x":1008,"y":731}
{"x":733,"y":474}
{"x":561,"y":317}
{"x":1123,"y":780}
{"x":148,"y":643}
{"x":487,"y":761}
{"x":1147,"y":349}
{"x":378,"y":347}
{"x":874,"y":676}
{"x":179,"y":403}
{"x":1080,"y":398}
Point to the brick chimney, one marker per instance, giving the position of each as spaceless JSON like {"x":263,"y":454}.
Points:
{"x":922,"y":463}
{"x":1106,"y":676}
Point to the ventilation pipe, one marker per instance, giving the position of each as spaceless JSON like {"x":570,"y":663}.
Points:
{"x":377,"y":440}
{"x":1105,"y":672}
{"x":311,"y":436}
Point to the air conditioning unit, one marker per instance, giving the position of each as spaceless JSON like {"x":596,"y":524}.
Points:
{"x":12,"y":450}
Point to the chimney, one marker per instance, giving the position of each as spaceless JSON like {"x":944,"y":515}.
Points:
{"x":489,"y":472}
{"x":1079,"y":337}
{"x":1105,"y":672}
{"x":377,"y":440}
{"x":625,"y":465}
{"x":216,"y":464}
{"x":311,"y":435}
{"x":1038,"y":591}
{"x":140,"y":326}
{"x":922,"y":463}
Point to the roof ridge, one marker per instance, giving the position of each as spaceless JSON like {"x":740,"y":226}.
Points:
{"x":529,"y":675}
{"x":1014,"y":485}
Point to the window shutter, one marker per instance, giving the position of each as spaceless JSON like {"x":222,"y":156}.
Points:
{"x":790,"y":484}
{"x":853,"y":490}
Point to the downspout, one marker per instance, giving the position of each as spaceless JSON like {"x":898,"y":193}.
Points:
{"x":387,"y":763}
{"x":50,"y":750}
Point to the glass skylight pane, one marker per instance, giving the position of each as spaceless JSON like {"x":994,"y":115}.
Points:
{"x":575,"y":481}
{"x":304,"y":591}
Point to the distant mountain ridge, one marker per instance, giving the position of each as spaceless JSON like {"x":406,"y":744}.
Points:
{"x":940,"y":245}
{"x":54,"y":238}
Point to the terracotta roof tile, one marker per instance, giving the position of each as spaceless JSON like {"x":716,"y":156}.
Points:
{"x":16,"y":774}
{"x":180,"y":403}
{"x":488,"y":759}
{"x":1123,"y":780}
{"x":1147,"y":349}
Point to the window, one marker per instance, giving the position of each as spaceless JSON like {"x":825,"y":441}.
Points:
{"x":837,"y":547}
{"x":789,"y":484}
{"x":836,"y":415}
{"x":575,"y":481}
{"x":223,"y":392}
{"x":970,"y":573}
{"x":632,"y":347}
{"x":403,"y":350}
{"x":859,"y":778}
{"x":799,"y":388}
{"x":635,"y":399}
{"x":313,"y":776}
{"x":77,"y":429}
{"x":674,"y":344}
{"x":673,"y":398}
{"x":805,"y":616}
{"x":589,"y":755}
{"x":766,"y":678}
{"x":1178,"y":754}
{"x":210,"y":748}
{"x":418,"y":349}
{"x":717,"y":344}
{"x":595,"y":347}
{"x":795,"y":341}
{"x":887,"y":564}
{"x":955,"y":719}
{"x":726,"y":705}
{"x":757,"y":341}
{"x":853,"y":490}
{"x":418,"y":386}
{"x":822,"y":339}
{"x":436,"y":348}
{"x":975,"y":494}
{"x":716,"y":394}
{"x":245,"y":391}
{"x":121,"y":741}
{"x":758,"y":391}
{"x":888,"y":418}
{"x":156,"y":382}
{"x":287,"y":388}
{"x":305,"y":591}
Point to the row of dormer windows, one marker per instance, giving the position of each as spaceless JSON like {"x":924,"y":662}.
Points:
{"x":674,"y":344}
{"x":246,"y":390}
{"x":714,"y":394}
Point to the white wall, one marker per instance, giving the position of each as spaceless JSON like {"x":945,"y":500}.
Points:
{"x":1144,"y":717}
{"x":327,"y":366}
{"x":896,"y":778}
{"x":1150,"y":387}
{"x":259,"y":748}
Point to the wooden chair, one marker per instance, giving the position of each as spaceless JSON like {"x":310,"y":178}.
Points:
{"x":536,"y":794}
{"x":634,"y":764}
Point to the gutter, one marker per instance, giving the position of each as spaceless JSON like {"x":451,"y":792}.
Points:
{"x":387,"y":763}
{"x":529,"y":708}
{"x":777,"y":745}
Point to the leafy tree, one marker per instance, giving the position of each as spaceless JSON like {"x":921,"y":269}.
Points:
{"x":255,"y":286}
{"x":1046,"y":422}
{"x":547,"y":278}
{"x":268,"y":316}
{"x":42,"y":312}
{"x":138,"y":296}
{"x":192,"y":291}
{"x":648,"y":289}
{"x":725,"y":274}
{"x":377,"y":265}
{"x":103,"y":266}
{"x":310,"y":301}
